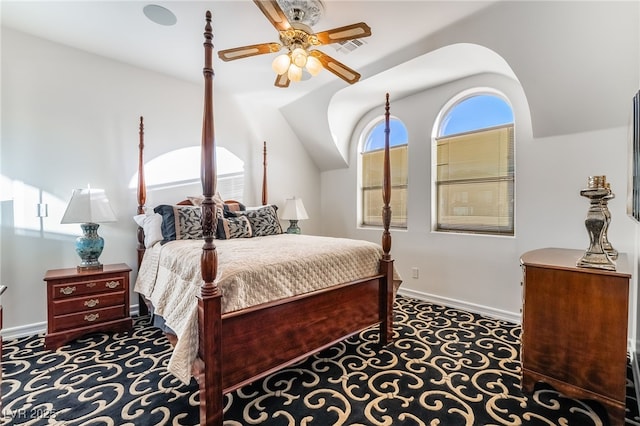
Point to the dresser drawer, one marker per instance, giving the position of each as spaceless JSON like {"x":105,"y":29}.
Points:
{"x":87,"y":303}
{"x":87,"y":318}
{"x":79,"y":288}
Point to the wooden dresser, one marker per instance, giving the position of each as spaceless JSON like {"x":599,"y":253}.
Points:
{"x":574,"y":327}
{"x":85,"y":302}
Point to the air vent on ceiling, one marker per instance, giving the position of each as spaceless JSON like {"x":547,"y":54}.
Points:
{"x":348,"y":46}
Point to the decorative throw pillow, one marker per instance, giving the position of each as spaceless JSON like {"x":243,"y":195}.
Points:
{"x":233,"y":227}
{"x":168,"y":227}
{"x":264,"y":220}
{"x":180,"y":222}
{"x":188,"y":222}
{"x":151,"y":224}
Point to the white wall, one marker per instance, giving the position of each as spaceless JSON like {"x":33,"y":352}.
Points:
{"x":70,"y":118}
{"x":483,"y":272}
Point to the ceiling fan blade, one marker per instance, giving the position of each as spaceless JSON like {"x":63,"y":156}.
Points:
{"x":338,"y":68}
{"x":282,"y":80}
{"x":348,"y":32}
{"x":274,"y":14}
{"x":247,"y":51}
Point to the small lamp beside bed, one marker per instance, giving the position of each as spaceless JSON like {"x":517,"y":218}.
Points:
{"x":293,"y":212}
{"x":88,"y":207}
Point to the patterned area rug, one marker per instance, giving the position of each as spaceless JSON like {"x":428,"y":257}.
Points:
{"x":446,"y":367}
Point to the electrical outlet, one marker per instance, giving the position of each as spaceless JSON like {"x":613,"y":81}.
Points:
{"x":415,"y":272}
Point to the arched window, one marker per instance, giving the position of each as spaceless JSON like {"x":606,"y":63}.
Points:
{"x":182,"y":167}
{"x":474,"y":170}
{"x":372,"y":155}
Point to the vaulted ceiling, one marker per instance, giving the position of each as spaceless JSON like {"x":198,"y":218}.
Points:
{"x":120,"y":30}
{"x":572,"y":58}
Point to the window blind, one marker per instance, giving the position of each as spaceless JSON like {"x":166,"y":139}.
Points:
{"x":475,"y":181}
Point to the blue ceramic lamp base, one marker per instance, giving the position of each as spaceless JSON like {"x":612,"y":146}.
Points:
{"x":89,"y":247}
{"x":293,"y":227}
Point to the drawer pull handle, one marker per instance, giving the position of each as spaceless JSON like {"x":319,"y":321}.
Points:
{"x":68,"y":290}
{"x":112,"y":284}
{"x":91,"y":285}
{"x":91,"y":317}
{"x":91,"y":303}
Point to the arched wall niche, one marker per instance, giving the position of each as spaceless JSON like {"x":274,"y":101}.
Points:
{"x":441,"y":66}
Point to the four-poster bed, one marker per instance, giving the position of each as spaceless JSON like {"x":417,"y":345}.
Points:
{"x":237,"y":344}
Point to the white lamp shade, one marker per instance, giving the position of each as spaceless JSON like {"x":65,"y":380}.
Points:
{"x":299,"y":57}
{"x":88,"y":205}
{"x":294,"y":210}
{"x":281,"y":64}
{"x":314,"y":66}
{"x":294,"y":73}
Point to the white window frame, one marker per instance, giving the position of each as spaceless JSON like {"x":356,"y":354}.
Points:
{"x":444,"y":111}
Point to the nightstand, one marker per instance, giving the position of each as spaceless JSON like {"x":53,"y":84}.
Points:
{"x":82,"y":302}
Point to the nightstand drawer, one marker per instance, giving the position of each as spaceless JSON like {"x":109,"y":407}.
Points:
{"x":78,"y":288}
{"x":87,"y":318}
{"x":87,"y":303}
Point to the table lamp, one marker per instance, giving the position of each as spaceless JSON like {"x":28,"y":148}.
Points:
{"x":88,"y":207}
{"x":293,"y":212}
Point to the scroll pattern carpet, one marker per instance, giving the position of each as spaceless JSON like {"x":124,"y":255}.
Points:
{"x":446,"y":367}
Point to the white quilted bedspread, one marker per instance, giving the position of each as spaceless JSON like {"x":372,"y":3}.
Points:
{"x":251,"y":271}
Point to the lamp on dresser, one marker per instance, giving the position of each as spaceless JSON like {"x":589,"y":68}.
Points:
{"x":89,"y":207}
{"x":293,"y":212}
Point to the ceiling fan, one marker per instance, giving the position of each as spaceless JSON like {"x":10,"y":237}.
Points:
{"x":298,"y":38}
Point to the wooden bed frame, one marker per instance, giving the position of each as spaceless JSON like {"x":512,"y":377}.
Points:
{"x":240,"y":347}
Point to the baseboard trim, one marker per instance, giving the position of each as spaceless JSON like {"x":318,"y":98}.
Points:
{"x":41,"y":327}
{"x":461,"y":304}
{"x":24,"y":330}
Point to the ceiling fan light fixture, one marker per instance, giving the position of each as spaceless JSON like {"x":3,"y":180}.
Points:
{"x":299,"y":57}
{"x":281,"y":63}
{"x":293,"y":20}
{"x":314,"y":66}
{"x":294,"y":73}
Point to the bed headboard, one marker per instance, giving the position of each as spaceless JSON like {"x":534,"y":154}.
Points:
{"x":142,"y":191}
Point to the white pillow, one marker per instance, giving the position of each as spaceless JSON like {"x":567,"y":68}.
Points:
{"x":152,"y":226}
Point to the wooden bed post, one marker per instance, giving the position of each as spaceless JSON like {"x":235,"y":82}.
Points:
{"x":142,"y":189}
{"x":209,"y":300}
{"x":386,"y":263}
{"x":143,"y":310}
{"x":264,"y":173}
